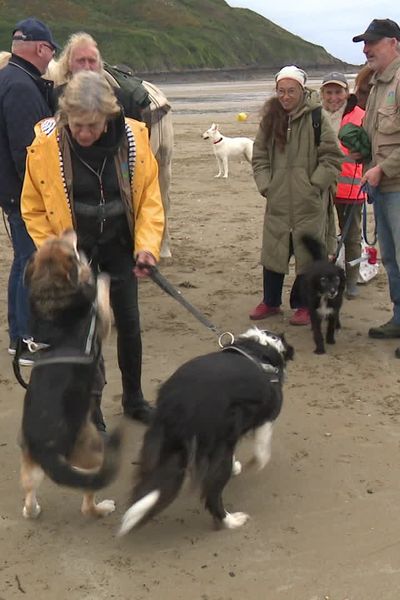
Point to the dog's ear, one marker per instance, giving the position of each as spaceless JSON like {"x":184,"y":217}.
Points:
{"x":69,"y":235}
{"x":289,"y":350}
{"x":28,"y":271}
{"x":73,"y":271}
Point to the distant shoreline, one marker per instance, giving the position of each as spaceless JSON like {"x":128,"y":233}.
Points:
{"x":236,"y":74}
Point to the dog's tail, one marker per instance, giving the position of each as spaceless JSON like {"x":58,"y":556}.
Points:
{"x":161,"y":474}
{"x":315,"y":248}
{"x":62,"y":473}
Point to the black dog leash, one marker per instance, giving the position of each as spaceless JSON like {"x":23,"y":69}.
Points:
{"x":167,"y":287}
{"x":21,"y":345}
{"x":15,"y":364}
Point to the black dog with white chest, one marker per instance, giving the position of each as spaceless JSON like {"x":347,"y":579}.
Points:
{"x":324,"y":289}
{"x":202,"y":411}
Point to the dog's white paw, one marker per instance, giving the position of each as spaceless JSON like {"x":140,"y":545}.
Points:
{"x":33,"y":512}
{"x":218,"y":175}
{"x":236,"y":468}
{"x":105,"y":508}
{"x":225,"y":176}
{"x":235,"y":520}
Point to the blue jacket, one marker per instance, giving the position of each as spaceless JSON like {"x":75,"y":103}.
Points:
{"x":24,"y":100}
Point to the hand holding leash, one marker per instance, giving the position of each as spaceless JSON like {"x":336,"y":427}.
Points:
{"x":144,"y":262}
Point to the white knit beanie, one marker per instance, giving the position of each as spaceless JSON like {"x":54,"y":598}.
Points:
{"x":292,"y":72}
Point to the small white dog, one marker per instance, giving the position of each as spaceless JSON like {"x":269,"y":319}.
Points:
{"x":225,"y":147}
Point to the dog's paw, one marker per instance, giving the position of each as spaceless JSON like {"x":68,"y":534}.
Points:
{"x":330,"y":341}
{"x":319,"y":351}
{"x":31,"y":512}
{"x":218,"y":175}
{"x":234,"y":520}
{"x":105,"y":508}
{"x":236,"y":468}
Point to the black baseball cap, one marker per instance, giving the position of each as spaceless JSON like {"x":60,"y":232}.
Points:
{"x":33,"y":30}
{"x":378,"y":29}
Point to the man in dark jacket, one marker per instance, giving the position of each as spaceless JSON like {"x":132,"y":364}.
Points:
{"x":25,"y":99}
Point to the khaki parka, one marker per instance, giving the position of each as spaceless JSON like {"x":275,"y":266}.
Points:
{"x":382,"y":124}
{"x":295,"y":183}
{"x":46,"y":203}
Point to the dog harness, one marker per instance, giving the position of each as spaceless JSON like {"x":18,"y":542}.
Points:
{"x":85,"y":355}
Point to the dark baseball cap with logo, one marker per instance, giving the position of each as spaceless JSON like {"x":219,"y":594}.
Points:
{"x":33,"y":30}
{"x":337,"y":78}
{"x":378,"y":29}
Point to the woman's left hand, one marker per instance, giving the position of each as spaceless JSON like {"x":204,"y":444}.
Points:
{"x":143,"y":258}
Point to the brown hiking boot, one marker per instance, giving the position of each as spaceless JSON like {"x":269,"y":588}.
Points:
{"x":386,"y":331}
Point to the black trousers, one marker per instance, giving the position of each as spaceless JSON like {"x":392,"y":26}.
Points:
{"x":117,"y":260}
{"x":273,"y":285}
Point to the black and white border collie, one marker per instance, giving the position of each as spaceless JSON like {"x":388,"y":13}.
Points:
{"x":202,"y":411}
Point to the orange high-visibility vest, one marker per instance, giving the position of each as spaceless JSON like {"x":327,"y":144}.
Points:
{"x":348,"y":186}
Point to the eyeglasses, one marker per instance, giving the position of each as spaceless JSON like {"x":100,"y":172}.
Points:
{"x":52,"y":50}
{"x":291,"y":93}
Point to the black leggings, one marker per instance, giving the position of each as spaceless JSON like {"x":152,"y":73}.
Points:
{"x":117,"y":260}
{"x":273,"y":284}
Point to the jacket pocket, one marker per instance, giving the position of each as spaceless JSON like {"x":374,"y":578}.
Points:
{"x":388,"y":120}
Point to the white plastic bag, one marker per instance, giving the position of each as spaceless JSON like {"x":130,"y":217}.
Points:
{"x":369,"y":264}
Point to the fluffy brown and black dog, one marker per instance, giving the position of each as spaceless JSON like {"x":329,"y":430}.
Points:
{"x":71,"y":313}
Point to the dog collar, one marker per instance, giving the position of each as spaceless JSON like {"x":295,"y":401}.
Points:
{"x":272,"y":372}
{"x":218,"y":141}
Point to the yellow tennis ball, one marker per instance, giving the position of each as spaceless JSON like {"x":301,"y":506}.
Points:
{"x":241,"y":116}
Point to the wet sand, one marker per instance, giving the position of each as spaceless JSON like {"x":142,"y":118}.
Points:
{"x":324,"y":513}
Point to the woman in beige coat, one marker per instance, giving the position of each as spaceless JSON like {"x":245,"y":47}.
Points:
{"x":293,"y":171}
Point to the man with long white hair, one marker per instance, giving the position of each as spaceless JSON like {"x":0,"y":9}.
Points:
{"x":81,"y":53}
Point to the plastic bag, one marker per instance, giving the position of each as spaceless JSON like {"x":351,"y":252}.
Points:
{"x":368,"y":261}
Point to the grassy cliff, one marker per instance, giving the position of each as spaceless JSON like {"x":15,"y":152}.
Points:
{"x":170,"y":35}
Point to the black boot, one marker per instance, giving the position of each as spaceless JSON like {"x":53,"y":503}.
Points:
{"x":137,"y":409}
{"x":97,"y":415}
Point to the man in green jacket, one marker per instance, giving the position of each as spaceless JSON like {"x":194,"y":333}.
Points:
{"x":382,"y":174}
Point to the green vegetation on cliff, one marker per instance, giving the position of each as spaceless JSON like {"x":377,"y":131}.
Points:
{"x":169,"y":35}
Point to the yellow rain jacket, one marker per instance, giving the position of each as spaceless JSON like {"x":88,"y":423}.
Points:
{"x":47,"y":207}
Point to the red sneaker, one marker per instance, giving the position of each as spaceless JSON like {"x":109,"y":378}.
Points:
{"x":301,"y":316}
{"x":263,"y":311}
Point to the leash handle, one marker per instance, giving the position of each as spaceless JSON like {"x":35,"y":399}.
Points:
{"x":369,"y":191}
{"x":16,"y":366}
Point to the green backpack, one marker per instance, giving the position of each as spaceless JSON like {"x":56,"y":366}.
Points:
{"x":132,"y":93}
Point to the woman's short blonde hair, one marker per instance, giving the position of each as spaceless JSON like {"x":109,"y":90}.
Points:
{"x":87,"y":92}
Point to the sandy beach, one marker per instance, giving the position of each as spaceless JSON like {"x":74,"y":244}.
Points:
{"x":324,"y":513}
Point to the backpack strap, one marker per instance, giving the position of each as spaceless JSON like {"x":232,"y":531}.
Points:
{"x":316,"y":123}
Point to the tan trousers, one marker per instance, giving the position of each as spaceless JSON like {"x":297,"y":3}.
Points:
{"x":352,"y":243}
